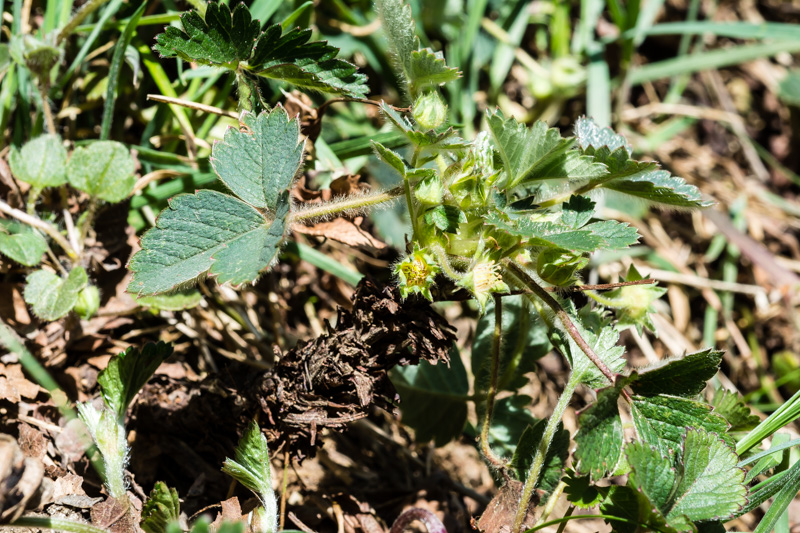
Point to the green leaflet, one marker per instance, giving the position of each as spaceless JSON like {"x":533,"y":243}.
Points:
{"x":51,"y":296}
{"x":731,"y":406}
{"x":538,"y":153}
{"x":207,"y":232}
{"x":686,"y":376}
{"x":41,"y":162}
{"x":258,"y":164}
{"x":600,"y":436}
{"x":232,"y":39}
{"x":21,"y":242}
{"x":660,"y":421}
{"x":127,"y":373}
{"x":628,"y":176}
{"x":704,"y":483}
{"x":604,"y":345}
{"x":103,"y":169}
{"x":176,"y":301}
{"x":428,"y":68}
{"x":161,"y":508}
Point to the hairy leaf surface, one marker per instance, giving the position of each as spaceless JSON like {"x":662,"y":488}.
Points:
{"x":686,"y":376}
{"x":21,"y":242}
{"x":104,"y":169}
{"x":600,"y":436}
{"x":51,"y":296}
{"x":257,"y":164}
{"x":207,"y":232}
{"x":127,"y":373}
{"x":41,"y":162}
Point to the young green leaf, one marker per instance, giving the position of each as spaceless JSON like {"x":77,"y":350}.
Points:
{"x":104,"y":170}
{"x":51,"y":296}
{"x":390,"y":157}
{"x":428,"y":68}
{"x":128,"y":372}
{"x":600,"y":437}
{"x":538,"y":153}
{"x":207,"y":232}
{"x":661,"y":420}
{"x":258,"y":163}
{"x":161,"y":508}
{"x":685,"y":376}
{"x":21,"y":242}
{"x":251,"y":468}
{"x":434,"y":399}
{"x":41,"y":162}
{"x":400,"y":30}
{"x":604,"y":344}
{"x":555,"y":460}
{"x":705,"y":485}
{"x":109,"y":436}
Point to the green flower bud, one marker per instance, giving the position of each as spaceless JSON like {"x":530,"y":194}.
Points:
{"x":429,"y":191}
{"x":430,"y":110}
{"x":88,"y":302}
{"x":558,"y":268}
{"x":483,"y":280}
{"x":416,"y":273}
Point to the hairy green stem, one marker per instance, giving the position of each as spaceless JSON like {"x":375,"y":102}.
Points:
{"x":33,"y":196}
{"x":47,"y":110}
{"x":56,"y":524}
{"x":350,"y":204}
{"x":87,"y":222}
{"x":535,"y":471}
{"x":38,"y":223}
{"x":486,"y":448}
{"x":244,"y":92}
{"x":87,"y":9}
{"x":562,"y":316}
{"x":443,"y":259}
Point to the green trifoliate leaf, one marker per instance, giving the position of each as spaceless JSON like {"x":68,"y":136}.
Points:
{"x":685,"y":376}
{"x":222,"y":39}
{"x":41,"y":162}
{"x":600,"y":436}
{"x":428,"y":68}
{"x":127,"y":373}
{"x":104,"y":170}
{"x":258,"y":163}
{"x":51,"y":296}
{"x":734,"y":409}
{"x":207,"y":232}
{"x":555,"y":460}
{"x":161,"y":508}
{"x":232,"y":40}
{"x":538,"y":153}
{"x":21,"y":242}
{"x":434,"y":398}
{"x":251,"y":468}
{"x":660,"y":421}
{"x":703,"y":485}
{"x":446,"y":217}
{"x":634,"y":303}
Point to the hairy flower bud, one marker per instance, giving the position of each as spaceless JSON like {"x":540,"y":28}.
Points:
{"x":430,"y":111}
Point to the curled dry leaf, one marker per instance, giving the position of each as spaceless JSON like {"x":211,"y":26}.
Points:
{"x":22,"y":482}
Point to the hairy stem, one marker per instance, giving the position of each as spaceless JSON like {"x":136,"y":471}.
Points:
{"x":87,"y":222}
{"x":535,"y":471}
{"x":486,"y":449}
{"x":348,"y":204}
{"x":562,"y":316}
{"x":56,"y":524}
{"x":33,"y":196}
{"x":38,"y":223}
{"x":48,"y":112}
{"x":87,"y":9}
{"x":443,"y":259}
